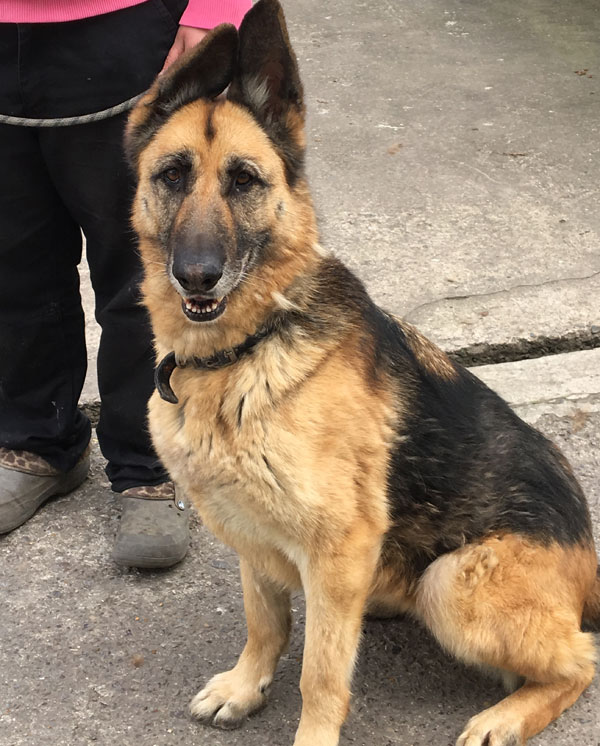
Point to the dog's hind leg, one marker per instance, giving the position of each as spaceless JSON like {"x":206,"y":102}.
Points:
{"x":514,"y":605}
{"x":229,"y":697}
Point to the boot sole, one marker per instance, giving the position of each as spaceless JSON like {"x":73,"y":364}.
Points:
{"x":146,"y":563}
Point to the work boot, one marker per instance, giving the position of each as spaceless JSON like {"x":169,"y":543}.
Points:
{"x":27,"y":481}
{"x":154,"y":528}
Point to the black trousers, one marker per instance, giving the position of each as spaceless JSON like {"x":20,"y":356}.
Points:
{"x":56,"y":183}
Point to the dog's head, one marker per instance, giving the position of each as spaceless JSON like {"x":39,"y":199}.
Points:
{"x":221,"y":199}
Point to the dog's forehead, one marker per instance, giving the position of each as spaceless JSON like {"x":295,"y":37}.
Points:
{"x":213,"y":130}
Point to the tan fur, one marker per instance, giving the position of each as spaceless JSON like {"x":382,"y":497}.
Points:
{"x":512,"y":605}
{"x":236,"y":132}
{"x":275,"y":482}
{"x":429,"y":355}
{"x":313,"y":517}
{"x":290,"y":469}
{"x":591,"y":609}
{"x":243,"y":689}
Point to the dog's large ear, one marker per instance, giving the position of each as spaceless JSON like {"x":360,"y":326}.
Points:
{"x":267,"y":82}
{"x":203,"y":72}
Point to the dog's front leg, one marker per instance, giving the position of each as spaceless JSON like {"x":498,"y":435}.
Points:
{"x":229,"y":697}
{"x":336,"y":589}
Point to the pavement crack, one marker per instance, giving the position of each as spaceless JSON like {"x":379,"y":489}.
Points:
{"x":502,"y":291}
{"x":524,"y":349}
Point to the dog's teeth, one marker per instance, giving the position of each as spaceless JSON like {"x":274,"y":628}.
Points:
{"x":204,"y":307}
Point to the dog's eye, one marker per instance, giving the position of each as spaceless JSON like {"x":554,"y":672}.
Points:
{"x":243,"y":179}
{"x":172,"y":175}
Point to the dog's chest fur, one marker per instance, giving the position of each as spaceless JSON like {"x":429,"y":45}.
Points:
{"x":225,"y":449}
{"x":260,"y":455}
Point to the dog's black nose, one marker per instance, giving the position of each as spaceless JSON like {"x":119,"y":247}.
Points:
{"x":197,"y":278}
{"x":198,"y":259}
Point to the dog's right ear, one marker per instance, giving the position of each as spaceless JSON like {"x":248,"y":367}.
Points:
{"x":203,"y":72}
{"x":267,"y":82}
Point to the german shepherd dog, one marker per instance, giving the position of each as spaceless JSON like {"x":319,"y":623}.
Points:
{"x":329,"y":443}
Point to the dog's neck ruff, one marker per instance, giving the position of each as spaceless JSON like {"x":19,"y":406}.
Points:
{"x":221,"y":359}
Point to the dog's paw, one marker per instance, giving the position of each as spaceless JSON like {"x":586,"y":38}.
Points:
{"x":228,"y":699}
{"x":488,"y":729}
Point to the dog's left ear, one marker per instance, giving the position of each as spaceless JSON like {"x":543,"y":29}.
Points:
{"x":267,"y":82}
{"x":203,"y":72}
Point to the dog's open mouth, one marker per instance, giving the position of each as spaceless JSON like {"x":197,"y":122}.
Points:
{"x":203,"y":309}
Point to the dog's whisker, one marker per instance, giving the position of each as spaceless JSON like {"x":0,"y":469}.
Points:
{"x":250,"y":281}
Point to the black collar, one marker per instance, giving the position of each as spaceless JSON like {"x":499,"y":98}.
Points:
{"x":221,"y":359}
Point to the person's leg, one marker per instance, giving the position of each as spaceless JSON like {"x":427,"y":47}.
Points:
{"x":42,"y":348}
{"x":88,"y":168}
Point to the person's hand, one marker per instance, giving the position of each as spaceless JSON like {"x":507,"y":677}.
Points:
{"x":187,"y":37}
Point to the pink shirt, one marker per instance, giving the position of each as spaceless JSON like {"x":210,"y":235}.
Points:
{"x":199,"y":13}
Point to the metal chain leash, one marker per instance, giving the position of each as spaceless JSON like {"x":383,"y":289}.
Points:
{"x":70,"y":121}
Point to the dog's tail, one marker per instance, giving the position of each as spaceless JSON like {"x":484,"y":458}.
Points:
{"x":591,"y":609}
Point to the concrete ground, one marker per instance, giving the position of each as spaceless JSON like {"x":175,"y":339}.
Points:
{"x":453,"y":153}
